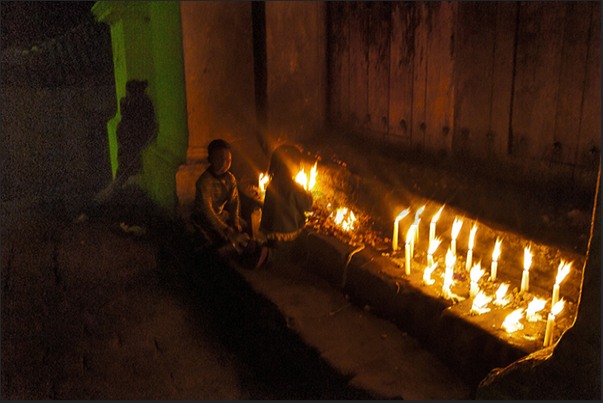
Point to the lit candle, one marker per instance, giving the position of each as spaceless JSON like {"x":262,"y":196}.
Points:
{"x":511,"y":323}
{"x":500,"y":296}
{"x":550,"y":323}
{"x":527,"y":262}
{"x":397,"y":230}
{"x":495,"y":256}
{"x":432,"y":226}
{"x":312,"y":180}
{"x":427,"y":274}
{"x":456,"y":228}
{"x":432,"y":248}
{"x":470,"y":251}
{"x":475,"y":274}
{"x":533,"y":307}
{"x":450,"y":259}
{"x":302,"y":179}
{"x":562,"y":272}
{"x":479,"y":304}
{"x":417,"y":221}
{"x":408,"y":249}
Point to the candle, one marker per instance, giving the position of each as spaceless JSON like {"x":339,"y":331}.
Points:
{"x":432,"y":226}
{"x":562,"y":272}
{"x":475,"y":274}
{"x":417,"y":221}
{"x":456,"y":227}
{"x":527,"y":262}
{"x":533,"y":307}
{"x":470,"y":251}
{"x":432,"y":248}
{"x":500,"y":296}
{"x":550,"y":323}
{"x":312,"y":180}
{"x":479,"y":304}
{"x":511,"y":323}
{"x":450,"y":259}
{"x":408,"y":249}
{"x":495,"y":256}
{"x":397,"y":230}
{"x":427,"y":274}
{"x":413,"y":229}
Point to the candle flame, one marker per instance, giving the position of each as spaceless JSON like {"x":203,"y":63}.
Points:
{"x":345,"y":218}
{"x":472,"y":236}
{"x":312,"y":180}
{"x":558,"y":307}
{"x":479,"y":303}
{"x":476,"y":272}
{"x":410,"y":233}
{"x":427,"y":274}
{"x":511,"y":323}
{"x":563,"y":271}
{"x":496,"y":252}
{"x":456,"y":227}
{"x":437,"y":216}
{"x":450,"y":258}
{"x":535,"y":306}
{"x":263,"y":181}
{"x":433,"y":246}
{"x":418,"y":213}
{"x":302,"y":179}
{"x":402,"y":215}
{"x":500,"y":295}
{"x":527,"y":258}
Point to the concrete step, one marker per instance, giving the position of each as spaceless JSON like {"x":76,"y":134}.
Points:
{"x":374,"y":354}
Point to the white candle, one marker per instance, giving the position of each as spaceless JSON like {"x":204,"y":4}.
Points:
{"x":412,"y":229}
{"x":395,"y":236}
{"x":550,"y":323}
{"x":527,"y":262}
{"x":555,"y":294}
{"x":470,"y":251}
{"x":432,"y":226}
{"x":397,"y":229}
{"x":408,"y":248}
{"x":433,"y":245}
{"x":456,"y":228}
{"x":495,"y":256}
{"x":417,"y":221}
{"x":407,"y":258}
{"x":475,"y":274}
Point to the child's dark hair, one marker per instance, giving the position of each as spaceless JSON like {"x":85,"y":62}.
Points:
{"x":217,"y":145}
{"x":284,"y":159}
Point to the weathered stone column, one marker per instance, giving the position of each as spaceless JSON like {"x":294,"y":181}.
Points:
{"x":147,"y":45}
{"x":571,"y":369}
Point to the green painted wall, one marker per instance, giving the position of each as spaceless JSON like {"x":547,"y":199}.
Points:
{"x":147,"y":45}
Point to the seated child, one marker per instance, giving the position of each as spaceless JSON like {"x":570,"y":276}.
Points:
{"x":285,"y":203}
{"x":216,"y":205}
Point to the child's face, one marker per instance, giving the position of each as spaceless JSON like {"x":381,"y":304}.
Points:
{"x":220,"y":161}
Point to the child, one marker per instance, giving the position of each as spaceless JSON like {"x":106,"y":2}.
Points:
{"x":216,"y":205}
{"x":286,"y":201}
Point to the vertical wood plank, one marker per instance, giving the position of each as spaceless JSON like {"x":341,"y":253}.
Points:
{"x":402,"y":54}
{"x":358,"y":65}
{"x":474,"y":56}
{"x":538,"y":65}
{"x":378,"y":66}
{"x":419,"y":83}
{"x":502,"y":77}
{"x":439,"y":102}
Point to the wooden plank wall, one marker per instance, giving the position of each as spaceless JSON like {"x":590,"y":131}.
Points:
{"x":516,"y":82}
